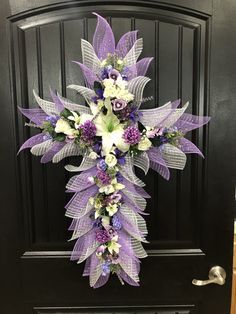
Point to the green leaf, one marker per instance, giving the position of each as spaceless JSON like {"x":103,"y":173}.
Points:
{"x":97,"y":87}
{"x":60,"y":137}
{"x":65,"y":113}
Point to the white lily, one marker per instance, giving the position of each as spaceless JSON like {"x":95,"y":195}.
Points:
{"x":76,"y":118}
{"x":111,"y":130}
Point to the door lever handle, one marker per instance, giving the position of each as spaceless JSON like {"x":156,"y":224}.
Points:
{"x":217,"y":275}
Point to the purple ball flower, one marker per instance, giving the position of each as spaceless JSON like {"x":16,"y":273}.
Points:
{"x":118,"y":104}
{"x":103,"y":177}
{"x":102,"y":236}
{"x":88,"y":131}
{"x":102,"y":165}
{"x":132,"y":135}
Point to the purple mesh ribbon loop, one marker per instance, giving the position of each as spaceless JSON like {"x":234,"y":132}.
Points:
{"x":103,"y":39}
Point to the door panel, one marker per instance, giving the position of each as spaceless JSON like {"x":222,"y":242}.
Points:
{"x":42,"y":43}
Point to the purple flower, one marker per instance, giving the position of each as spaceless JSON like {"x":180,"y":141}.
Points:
{"x":97,"y":223}
{"x":106,"y":268}
{"x":119,"y":177}
{"x":46,"y":136}
{"x":112,"y":232}
{"x":119,"y":104}
{"x":103,"y":236}
{"x":88,"y":131}
{"x":52,"y":119}
{"x":103,"y":177}
{"x":116,"y":197}
{"x":102,"y":165}
{"x":97,"y":147}
{"x":132,"y":135}
{"x":155,"y":132}
{"x":114,"y":74}
{"x":122,"y":160}
{"x":116,"y":223}
{"x":104,"y":74}
{"x":101,"y":249}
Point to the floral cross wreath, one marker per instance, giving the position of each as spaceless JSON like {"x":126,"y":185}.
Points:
{"x":113,"y":135}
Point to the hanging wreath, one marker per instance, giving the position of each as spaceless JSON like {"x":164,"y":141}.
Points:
{"x":113,"y":135}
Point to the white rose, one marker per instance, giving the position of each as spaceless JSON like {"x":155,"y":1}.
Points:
{"x":144,"y":144}
{"x":111,"y":160}
{"x":62,"y":126}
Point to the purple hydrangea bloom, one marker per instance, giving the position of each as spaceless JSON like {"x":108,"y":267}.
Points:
{"x":102,"y":165}
{"x":52,"y":119}
{"x":46,"y":137}
{"x":102,"y":236}
{"x":103,"y":177}
{"x":132,"y":135}
{"x":116,"y":223}
{"x":88,"y":131}
{"x":121,"y":160}
{"x":106,"y":268}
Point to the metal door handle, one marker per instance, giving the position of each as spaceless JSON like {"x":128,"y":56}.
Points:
{"x":217,"y":275}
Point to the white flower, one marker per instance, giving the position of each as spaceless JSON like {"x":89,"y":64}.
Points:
{"x":119,"y":61}
{"x":112,"y":187}
{"x":117,"y":89}
{"x":103,"y":63}
{"x":93,"y":155}
{"x":112,"y":209}
{"x":111,"y":160}
{"x":76,"y":118}
{"x":90,"y":180}
{"x":124,"y":94}
{"x":91,"y":200}
{"x":107,"y":189}
{"x":62,"y":126}
{"x":85,"y":117}
{"x":108,"y":82}
{"x":113,"y":246}
{"x":105,"y":221}
{"x":97,"y":213}
{"x":111,"y":130}
{"x":121,"y":83}
{"x":144,"y":144}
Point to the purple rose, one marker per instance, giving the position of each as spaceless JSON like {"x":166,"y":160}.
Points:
{"x":119,"y":104}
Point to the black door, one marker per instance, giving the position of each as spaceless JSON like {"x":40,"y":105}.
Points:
{"x":191,"y":217}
